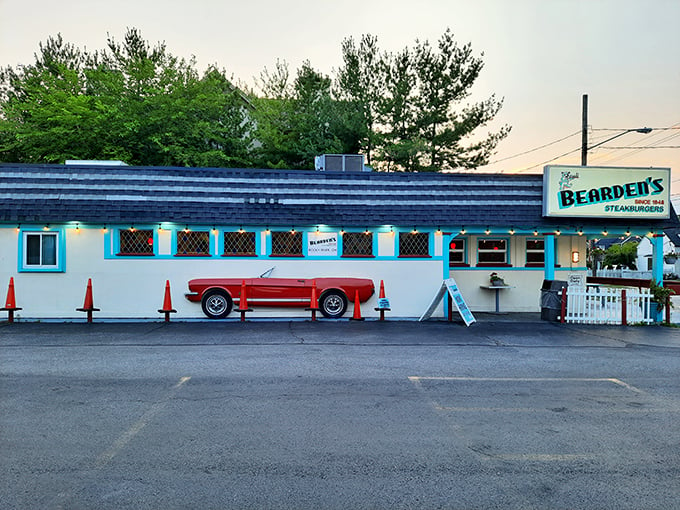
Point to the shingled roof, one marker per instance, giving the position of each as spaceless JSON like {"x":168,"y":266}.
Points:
{"x":212,"y":196}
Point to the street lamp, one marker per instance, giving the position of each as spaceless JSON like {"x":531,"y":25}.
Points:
{"x":584,"y":152}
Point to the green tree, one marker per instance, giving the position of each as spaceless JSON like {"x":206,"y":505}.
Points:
{"x":299,"y":120}
{"x":401,"y":142}
{"x":131,"y":101}
{"x":360,"y":84}
{"x":411,"y":104}
{"x":621,"y":255}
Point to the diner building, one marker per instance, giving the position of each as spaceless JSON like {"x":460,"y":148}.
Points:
{"x":130,"y":229}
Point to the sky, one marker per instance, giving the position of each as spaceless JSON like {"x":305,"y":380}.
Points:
{"x":540,"y":57}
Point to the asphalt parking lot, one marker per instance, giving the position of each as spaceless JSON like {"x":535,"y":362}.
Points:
{"x":297,"y":415}
{"x":490,"y":329}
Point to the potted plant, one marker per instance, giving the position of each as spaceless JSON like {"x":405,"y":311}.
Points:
{"x":670,"y":258}
{"x":496,"y":281}
{"x":659,"y":298}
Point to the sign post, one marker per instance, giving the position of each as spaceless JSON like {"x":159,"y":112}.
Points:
{"x":455,"y":296}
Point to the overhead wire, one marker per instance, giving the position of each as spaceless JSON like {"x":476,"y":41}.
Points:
{"x":601,"y":155}
{"x":637,"y":147}
{"x":535,"y":149}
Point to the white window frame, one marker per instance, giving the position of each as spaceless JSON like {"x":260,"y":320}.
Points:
{"x":527,"y":251}
{"x":482,"y":251}
{"x":58,"y":254}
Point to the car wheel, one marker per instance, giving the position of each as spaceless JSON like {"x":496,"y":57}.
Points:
{"x":216,"y":304}
{"x":333,"y":304}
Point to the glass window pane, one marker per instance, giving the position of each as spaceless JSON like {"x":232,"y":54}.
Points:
{"x":49,"y":250}
{"x":33,"y":250}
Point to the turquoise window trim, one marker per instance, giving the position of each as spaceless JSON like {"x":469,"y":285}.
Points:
{"x":112,"y":243}
{"x":111,"y":238}
{"x":60,"y":266}
{"x":374,"y":244}
{"x":173,"y":243}
{"x":218,"y":244}
{"x":430,"y":245}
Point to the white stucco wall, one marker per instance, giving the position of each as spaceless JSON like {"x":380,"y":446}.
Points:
{"x":134,"y":287}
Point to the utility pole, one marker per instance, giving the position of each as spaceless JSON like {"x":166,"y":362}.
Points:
{"x":584,"y":132}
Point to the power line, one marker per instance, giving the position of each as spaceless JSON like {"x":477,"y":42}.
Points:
{"x":655,"y":145}
{"x":653,"y":129}
{"x":659,"y":138}
{"x":549,"y":161}
{"x":643,"y":147}
{"x":535,"y":149}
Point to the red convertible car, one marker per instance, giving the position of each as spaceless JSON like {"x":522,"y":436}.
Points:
{"x":217,"y":295}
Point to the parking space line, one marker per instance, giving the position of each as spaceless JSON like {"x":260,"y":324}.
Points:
{"x":130,"y":433}
{"x":418,"y":382}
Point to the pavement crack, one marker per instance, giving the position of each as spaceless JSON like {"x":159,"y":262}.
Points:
{"x":293,"y":334}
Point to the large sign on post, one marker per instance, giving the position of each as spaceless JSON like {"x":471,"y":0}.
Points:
{"x":606,"y":192}
{"x":456,"y":297}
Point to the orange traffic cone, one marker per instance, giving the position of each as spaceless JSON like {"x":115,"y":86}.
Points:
{"x":314,"y":302}
{"x":383,"y":302}
{"x":357,"y":307}
{"x":10,"y":302}
{"x":88,"y":305}
{"x":167,"y":303}
{"x":243,"y":302}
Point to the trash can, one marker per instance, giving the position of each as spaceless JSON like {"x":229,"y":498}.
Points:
{"x":551,"y":301}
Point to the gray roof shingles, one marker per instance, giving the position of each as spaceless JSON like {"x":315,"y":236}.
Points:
{"x":212,"y":196}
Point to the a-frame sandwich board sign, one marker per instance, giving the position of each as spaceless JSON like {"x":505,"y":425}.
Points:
{"x":456,"y":297}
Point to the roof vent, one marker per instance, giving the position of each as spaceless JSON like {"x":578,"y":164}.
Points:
{"x":340,"y":163}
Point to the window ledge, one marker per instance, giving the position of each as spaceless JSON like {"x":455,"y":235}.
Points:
{"x":192,"y":255}
{"x":357,"y":256}
{"x":239,"y":255}
{"x":135,"y":254}
{"x":279,"y":255}
{"x":493,"y":264}
{"x":414,"y":256}
{"x":458,"y":264}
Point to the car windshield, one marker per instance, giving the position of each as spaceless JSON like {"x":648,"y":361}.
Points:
{"x":268,"y":272}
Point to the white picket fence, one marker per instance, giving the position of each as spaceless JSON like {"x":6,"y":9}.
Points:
{"x":605,"y":305}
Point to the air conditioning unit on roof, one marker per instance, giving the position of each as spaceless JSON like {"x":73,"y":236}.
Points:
{"x":340,"y":163}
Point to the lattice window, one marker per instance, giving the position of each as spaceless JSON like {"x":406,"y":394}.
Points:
{"x":287,"y":243}
{"x":357,"y":244}
{"x":239,"y":243}
{"x":535,"y":251}
{"x":193,"y":243}
{"x":136,"y":242}
{"x":414,"y":244}
{"x":491,"y":251}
